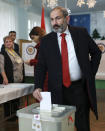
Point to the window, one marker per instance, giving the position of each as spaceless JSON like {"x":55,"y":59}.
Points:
{"x":33,"y":20}
{"x":7,"y":20}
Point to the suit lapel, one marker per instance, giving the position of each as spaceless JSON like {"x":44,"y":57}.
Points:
{"x":74,"y":36}
{"x":75,"y":39}
{"x":56,"y":48}
{"x":55,"y":44}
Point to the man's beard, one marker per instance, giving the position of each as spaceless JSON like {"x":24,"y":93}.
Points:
{"x":59,"y":28}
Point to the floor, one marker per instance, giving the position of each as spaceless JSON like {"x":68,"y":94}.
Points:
{"x":95,"y":125}
{"x":9,"y":126}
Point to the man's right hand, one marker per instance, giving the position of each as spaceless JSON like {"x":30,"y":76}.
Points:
{"x":37,"y":94}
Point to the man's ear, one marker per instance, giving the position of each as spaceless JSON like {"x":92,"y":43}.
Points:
{"x":68,"y":19}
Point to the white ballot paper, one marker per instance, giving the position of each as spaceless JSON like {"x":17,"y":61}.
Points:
{"x":45,"y":104}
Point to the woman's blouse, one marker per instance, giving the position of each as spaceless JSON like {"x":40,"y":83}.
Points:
{"x":17,"y":65}
{"x":1,"y":63}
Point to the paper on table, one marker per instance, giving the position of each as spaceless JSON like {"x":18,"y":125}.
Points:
{"x":45,"y":104}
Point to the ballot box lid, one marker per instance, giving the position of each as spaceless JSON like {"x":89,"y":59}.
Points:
{"x":57,"y":114}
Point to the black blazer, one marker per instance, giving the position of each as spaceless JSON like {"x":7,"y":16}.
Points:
{"x":50,"y":60}
{"x":16,"y":48}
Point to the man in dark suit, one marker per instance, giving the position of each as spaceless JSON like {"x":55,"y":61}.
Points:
{"x":71,"y":73}
{"x":15,"y":46}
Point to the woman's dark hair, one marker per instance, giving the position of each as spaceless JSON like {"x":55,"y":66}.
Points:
{"x":37,"y":31}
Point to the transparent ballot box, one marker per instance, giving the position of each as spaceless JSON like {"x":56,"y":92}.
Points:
{"x":61,"y":118}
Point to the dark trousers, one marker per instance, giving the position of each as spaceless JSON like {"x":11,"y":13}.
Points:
{"x":76,"y":95}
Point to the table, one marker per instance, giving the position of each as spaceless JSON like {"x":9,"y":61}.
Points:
{"x":14,"y":90}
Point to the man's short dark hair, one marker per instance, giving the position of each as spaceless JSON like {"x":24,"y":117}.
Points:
{"x":62,"y":9}
{"x":12,"y":32}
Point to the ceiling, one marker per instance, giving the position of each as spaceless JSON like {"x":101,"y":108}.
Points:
{"x":71,"y":4}
{"x":100,"y":5}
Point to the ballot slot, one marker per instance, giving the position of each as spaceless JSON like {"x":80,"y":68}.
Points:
{"x":55,"y":111}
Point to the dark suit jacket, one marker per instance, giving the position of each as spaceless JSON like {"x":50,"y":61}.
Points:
{"x":16,"y":48}
{"x":50,"y":60}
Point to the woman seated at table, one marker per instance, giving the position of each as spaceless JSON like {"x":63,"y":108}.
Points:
{"x":12,"y":70}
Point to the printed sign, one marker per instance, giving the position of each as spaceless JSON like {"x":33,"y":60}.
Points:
{"x":28,"y":52}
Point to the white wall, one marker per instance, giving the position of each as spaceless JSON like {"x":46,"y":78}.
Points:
{"x":20,"y":20}
{"x":23,"y":16}
{"x":97,"y":21}
{"x":37,"y":19}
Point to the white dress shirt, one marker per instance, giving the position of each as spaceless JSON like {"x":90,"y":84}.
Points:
{"x":74,"y":68}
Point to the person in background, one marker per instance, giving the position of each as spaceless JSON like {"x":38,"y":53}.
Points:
{"x":36,"y":35}
{"x":15,"y":45}
{"x":64,"y":54}
{"x":12,"y":70}
{"x":2,"y":72}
